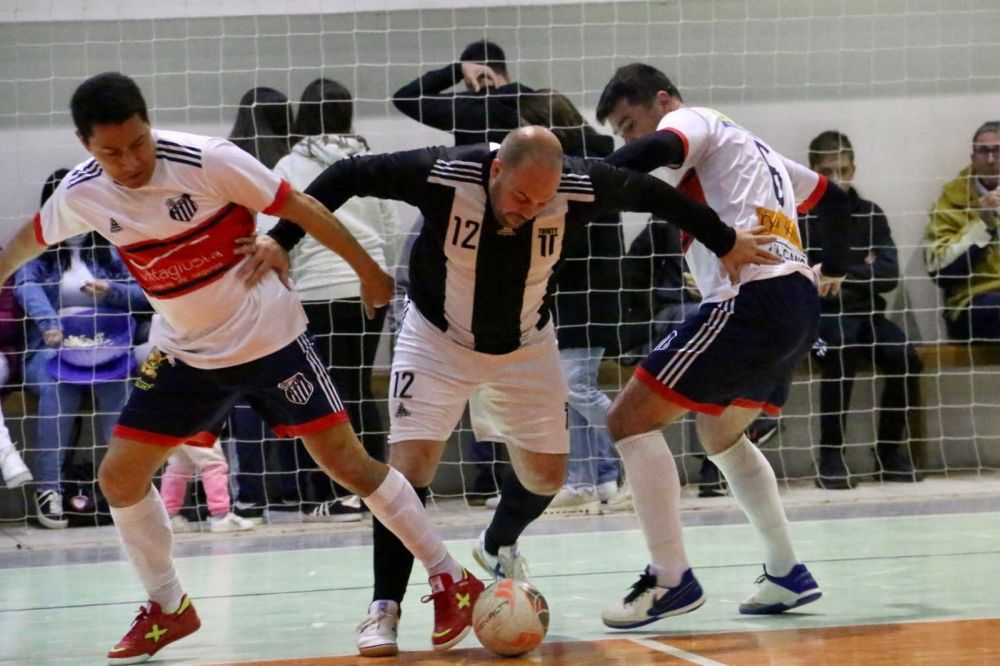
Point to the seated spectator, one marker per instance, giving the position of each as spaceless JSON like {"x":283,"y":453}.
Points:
{"x":962,"y":254}
{"x":346,"y":340}
{"x":80,"y":291}
{"x":853,"y":325}
{"x":15,"y":473}
{"x":211,"y":464}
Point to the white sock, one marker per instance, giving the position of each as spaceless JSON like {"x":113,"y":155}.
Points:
{"x":656,"y":493}
{"x":755,"y":487}
{"x":397,"y":506}
{"x":144,"y":529}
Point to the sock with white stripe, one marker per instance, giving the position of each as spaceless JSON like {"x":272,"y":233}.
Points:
{"x":755,"y":487}
{"x":656,"y":493}
{"x":398,"y":507}
{"x":144,"y":530}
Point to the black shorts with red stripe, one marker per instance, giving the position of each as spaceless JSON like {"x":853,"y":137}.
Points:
{"x":739,"y":352}
{"x":173,"y":403}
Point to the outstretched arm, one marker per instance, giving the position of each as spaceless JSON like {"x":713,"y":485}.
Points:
{"x":23,"y":247}
{"x":652,"y":151}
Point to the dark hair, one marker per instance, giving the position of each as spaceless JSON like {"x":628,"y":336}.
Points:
{"x":326,"y":107}
{"x":988,"y":126}
{"x":110,"y":98}
{"x":94,"y":248}
{"x":51,"y":183}
{"x":487,"y":53}
{"x":830,"y":142}
{"x":262,"y":125}
{"x":638,"y":84}
{"x":555,"y":111}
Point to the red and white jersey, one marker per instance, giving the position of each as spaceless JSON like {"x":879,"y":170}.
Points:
{"x":177,"y":235}
{"x":748,"y":184}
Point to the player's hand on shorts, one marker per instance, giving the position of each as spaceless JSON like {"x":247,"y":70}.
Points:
{"x":263,"y":256}
{"x":377,"y":291}
{"x":748,"y":249}
{"x":826,"y":285}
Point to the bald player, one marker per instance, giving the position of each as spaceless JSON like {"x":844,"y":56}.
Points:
{"x":477,"y":325}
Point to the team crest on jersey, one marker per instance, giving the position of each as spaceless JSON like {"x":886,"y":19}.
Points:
{"x":181,"y":208}
{"x":547,"y":240}
{"x":297,"y":389}
{"x":149,"y":368}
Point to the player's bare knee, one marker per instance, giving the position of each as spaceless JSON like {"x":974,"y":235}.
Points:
{"x":620,"y":423}
{"x":121,"y":487}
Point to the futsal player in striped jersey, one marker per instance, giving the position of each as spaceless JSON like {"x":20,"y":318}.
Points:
{"x":175,"y":204}
{"x":731,"y":359}
{"x":478,"y":327}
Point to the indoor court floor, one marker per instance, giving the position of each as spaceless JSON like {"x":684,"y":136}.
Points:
{"x":909,"y":575}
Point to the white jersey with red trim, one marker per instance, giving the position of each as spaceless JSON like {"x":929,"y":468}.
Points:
{"x":176,"y":235}
{"x":748,"y":184}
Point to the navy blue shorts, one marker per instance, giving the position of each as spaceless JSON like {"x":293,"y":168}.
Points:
{"x":173,"y":403}
{"x":739,"y":352}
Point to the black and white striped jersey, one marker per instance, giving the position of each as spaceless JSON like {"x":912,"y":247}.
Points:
{"x":486,"y":287}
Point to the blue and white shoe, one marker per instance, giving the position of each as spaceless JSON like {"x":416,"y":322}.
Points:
{"x":507,"y":563}
{"x":776,"y":595}
{"x":648,"y":602}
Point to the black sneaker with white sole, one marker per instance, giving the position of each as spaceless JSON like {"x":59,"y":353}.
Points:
{"x":341,"y":510}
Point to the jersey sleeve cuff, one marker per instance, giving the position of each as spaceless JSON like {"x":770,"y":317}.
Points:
{"x":684,"y":142}
{"x":280,"y":197}
{"x":816,"y":195}
{"x":37,"y":224}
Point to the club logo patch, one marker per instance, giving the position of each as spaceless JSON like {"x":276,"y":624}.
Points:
{"x":297,"y":389}
{"x":181,"y":208}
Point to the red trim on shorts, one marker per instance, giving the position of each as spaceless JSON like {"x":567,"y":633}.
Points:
{"x":773,"y":410}
{"x":684,"y":141}
{"x":280,"y":197}
{"x":202,"y":438}
{"x":311,"y":427}
{"x":816,"y":195}
{"x":673,"y":396}
{"x":37,"y":223}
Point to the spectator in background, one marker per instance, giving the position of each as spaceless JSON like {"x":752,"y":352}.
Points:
{"x":263,"y":121}
{"x":587,"y":314}
{"x":80,"y":282}
{"x":487,"y":111}
{"x":15,"y":473}
{"x":853,"y":325}
{"x":962,"y":255}
{"x":262,"y":128}
{"x":210,"y":463}
{"x":346,"y":340}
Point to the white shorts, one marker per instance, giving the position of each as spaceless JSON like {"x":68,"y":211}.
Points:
{"x":517,"y":398}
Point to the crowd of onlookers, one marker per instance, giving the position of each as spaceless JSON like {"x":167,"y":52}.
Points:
{"x":74,"y":325}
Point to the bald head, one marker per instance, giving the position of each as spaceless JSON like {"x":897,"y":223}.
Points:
{"x":525,"y":175}
{"x":534,"y":143}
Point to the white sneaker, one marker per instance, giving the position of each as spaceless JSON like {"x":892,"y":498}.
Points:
{"x":492,"y":502}
{"x":574,"y":500}
{"x":377,"y":633}
{"x":507,"y":563}
{"x":648,"y":602}
{"x":49,"y":509}
{"x":621,"y":500}
{"x":181,"y":525}
{"x":15,"y":472}
{"x":229,"y":523}
{"x":606,"y":490}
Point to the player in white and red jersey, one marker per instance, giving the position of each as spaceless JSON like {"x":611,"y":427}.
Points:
{"x":732,"y":358}
{"x":175,"y":205}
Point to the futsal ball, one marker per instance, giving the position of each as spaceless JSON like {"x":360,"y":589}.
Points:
{"x":510,"y":617}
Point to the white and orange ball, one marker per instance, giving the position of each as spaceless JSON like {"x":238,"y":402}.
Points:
{"x":510,"y":617}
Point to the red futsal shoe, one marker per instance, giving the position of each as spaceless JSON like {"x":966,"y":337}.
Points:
{"x":453,"y":602}
{"x":152,"y":630}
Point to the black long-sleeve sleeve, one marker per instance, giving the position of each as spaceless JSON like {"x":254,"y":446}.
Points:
{"x":621,"y":190}
{"x":400,"y":176}
{"x":652,"y":151}
{"x":834,"y":210}
{"x":472,"y":117}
